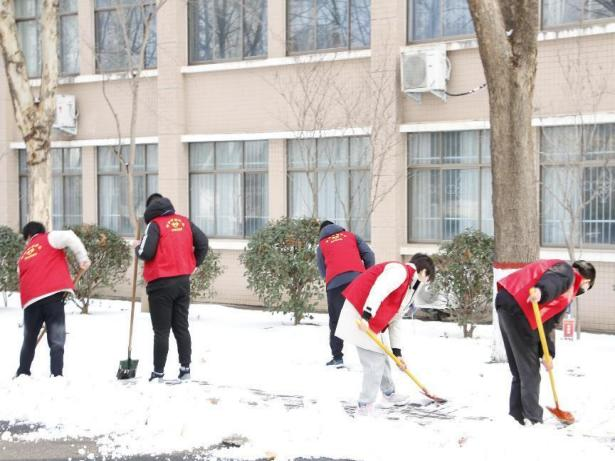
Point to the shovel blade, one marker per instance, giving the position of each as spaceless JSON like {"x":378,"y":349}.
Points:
{"x":564,"y":416}
{"x":127,"y":369}
{"x":433,"y":397}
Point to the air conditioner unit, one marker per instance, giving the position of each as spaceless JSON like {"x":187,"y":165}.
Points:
{"x":425,"y":69}
{"x":66,"y":113}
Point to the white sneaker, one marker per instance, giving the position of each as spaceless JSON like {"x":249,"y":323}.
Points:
{"x":394,"y":400}
{"x":365,"y":409}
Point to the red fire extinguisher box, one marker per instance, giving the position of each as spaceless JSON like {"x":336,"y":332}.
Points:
{"x":568,"y":328}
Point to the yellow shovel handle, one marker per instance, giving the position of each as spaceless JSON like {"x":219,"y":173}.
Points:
{"x":388,"y":352}
{"x":545,"y":349}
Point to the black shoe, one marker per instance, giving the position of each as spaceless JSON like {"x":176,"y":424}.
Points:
{"x":337,"y":363}
{"x":156,"y":376}
{"x":184,"y":374}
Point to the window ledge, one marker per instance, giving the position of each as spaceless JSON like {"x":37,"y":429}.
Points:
{"x":593,"y":255}
{"x":228,"y":244}
{"x":543,"y":36}
{"x":94,"y":78}
{"x":274,"y":62}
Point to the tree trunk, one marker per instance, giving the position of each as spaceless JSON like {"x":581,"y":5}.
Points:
{"x":34,"y":116}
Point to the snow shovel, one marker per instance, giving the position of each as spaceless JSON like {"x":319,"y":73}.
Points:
{"x":564,"y":416}
{"x":388,"y":352}
{"x":75,"y":280}
{"x":128,"y":367}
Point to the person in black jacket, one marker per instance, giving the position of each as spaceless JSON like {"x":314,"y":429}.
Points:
{"x":172,"y":248}
{"x":555,"y":284}
{"x":341,"y":256}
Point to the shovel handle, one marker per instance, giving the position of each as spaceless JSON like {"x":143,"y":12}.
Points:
{"x":133,"y":295}
{"x":388,"y":352}
{"x":545,"y":348}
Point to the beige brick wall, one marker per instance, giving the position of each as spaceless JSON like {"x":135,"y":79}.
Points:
{"x":250,"y":100}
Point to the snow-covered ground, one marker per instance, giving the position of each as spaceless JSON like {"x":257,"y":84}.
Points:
{"x":266,"y":381}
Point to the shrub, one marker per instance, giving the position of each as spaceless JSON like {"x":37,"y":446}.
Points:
{"x":465,"y":278}
{"x":201,"y":282}
{"x":11,"y":246}
{"x":280,"y":263}
{"x":110,"y":255}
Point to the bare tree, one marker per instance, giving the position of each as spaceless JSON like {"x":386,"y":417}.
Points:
{"x":34,"y":113}
{"x":577,"y":179}
{"x":315,"y":101}
{"x":135,"y":21}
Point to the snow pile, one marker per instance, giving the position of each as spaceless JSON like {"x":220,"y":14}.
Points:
{"x":261,"y":380}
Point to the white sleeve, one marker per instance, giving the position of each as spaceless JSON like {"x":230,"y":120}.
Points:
{"x":391,"y":278}
{"x":396,"y":331}
{"x":67,"y":238}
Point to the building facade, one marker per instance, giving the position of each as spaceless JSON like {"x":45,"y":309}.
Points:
{"x":251,"y":110}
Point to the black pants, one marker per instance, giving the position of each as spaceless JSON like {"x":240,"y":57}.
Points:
{"x":523,"y":352}
{"x":169,"y":302}
{"x":335,"y":302}
{"x":50,"y":311}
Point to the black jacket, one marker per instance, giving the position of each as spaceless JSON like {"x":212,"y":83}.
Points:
{"x":149,"y":244}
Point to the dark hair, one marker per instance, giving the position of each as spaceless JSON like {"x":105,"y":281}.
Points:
{"x":153,"y":197}
{"x":422,"y":261}
{"x":587,"y":271}
{"x":31,"y":229}
{"x":324,"y":224}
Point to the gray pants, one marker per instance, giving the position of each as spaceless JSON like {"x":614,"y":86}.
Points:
{"x":376,"y":375}
{"x":522,"y":350}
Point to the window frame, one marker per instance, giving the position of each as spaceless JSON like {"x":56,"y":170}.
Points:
{"x":483,"y":164}
{"x":571,"y":25}
{"x":439,"y":39}
{"x":582,"y":165}
{"x":193,"y":62}
{"x":62,"y":174}
{"x":114,"y":8}
{"x":317,"y":50}
{"x":313,"y":170}
{"x":37,"y":18}
{"x":135,"y":174}
{"x":215,"y":171}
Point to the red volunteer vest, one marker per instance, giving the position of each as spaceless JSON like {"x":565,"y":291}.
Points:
{"x":518,"y":284}
{"x":358,"y":291}
{"x":42,"y":270}
{"x":175,"y":251}
{"x":341,"y":253}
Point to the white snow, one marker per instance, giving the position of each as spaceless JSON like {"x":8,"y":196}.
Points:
{"x":245,"y":356}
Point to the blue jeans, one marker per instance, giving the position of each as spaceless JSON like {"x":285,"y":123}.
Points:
{"x":50,"y":311}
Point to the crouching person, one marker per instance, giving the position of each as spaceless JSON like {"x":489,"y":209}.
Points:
{"x":44,"y":281}
{"x":378,"y":298}
{"x":557,"y":283}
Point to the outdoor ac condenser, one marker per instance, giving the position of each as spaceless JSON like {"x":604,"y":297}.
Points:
{"x":66,"y":113}
{"x":425,"y":69}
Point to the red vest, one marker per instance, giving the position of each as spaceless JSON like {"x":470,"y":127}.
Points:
{"x":518,"y":284}
{"x":42,"y":270}
{"x":358,"y":291}
{"x":175,"y":251}
{"x":341,"y":254}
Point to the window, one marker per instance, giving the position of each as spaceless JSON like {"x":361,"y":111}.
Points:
{"x":222,"y":30}
{"x":66,"y":187}
{"x":449,"y":184}
{"x":328,"y":25}
{"x":66,"y":173}
{"x":27,"y":17}
{"x":120,"y":31}
{"x":578,"y":188}
{"x":330,"y":178}
{"x":229,"y":195}
{"x":113,"y":185}
{"x":561,"y":12}
{"x":432,"y":19}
